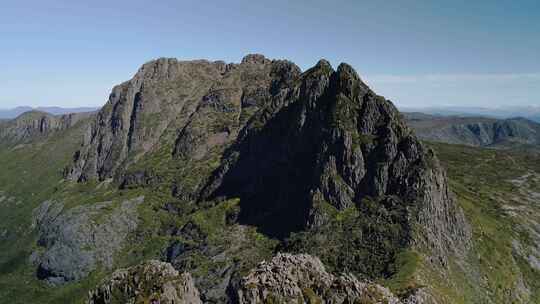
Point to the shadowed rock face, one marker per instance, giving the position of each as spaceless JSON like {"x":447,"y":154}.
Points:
{"x":326,"y":139}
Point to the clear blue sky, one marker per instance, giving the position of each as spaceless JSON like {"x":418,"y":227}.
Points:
{"x":417,"y":53}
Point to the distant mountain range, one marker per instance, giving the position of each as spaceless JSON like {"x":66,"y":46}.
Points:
{"x":529,"y":112}
{"x":475,"y":130}
{"x":14,"y":112}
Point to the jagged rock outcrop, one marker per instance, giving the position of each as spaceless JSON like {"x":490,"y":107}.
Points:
{"x":325,"y":139}
{"x":74,"y":241}
{"x":303,"y":279}
{"x":151,"y":280}
{"x":195,"y":104}
{"x":35,"y":124}
{"x":475,"y":131}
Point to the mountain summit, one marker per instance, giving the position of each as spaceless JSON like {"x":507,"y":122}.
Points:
{"x":296,"y":148}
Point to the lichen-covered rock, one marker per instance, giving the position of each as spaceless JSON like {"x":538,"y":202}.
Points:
{"x":303,"y":279}
{"x":151,"y":280}
{"x":73,"y":242}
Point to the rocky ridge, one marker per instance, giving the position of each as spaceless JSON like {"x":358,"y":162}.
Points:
{"x":34,"y":124}
{"x":303,"y":279}
{"x":475,"y":131}
{"x":197,"y":104}
{"x":285,"y":279}
{"x":152,"y":280}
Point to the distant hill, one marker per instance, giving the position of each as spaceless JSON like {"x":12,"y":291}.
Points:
{"x":15,"y":112}
{"x":475,"y":131}
{"x":529,"y":112}
{"x":33,"y":124}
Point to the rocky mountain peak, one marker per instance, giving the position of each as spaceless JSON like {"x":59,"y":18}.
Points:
{"x":255,"y":59}
{"x":334,"y":142}
{"x":296,"y":149}
{"x":349,"y":81}
{"x":323,"y":63}
{"x":166,"y":94}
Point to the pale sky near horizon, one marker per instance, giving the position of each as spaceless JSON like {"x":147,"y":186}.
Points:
{"x":416,"y":53}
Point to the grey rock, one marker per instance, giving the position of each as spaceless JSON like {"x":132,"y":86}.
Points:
{"x":73,"y":242}
{"x":140,"y":178}
{"x":196,"y":104}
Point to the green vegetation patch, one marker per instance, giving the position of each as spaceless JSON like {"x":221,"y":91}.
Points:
{"x":363,"y":239}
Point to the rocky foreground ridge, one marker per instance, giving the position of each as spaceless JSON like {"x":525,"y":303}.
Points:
{"x":152,"y":280}
{"x":285,"y":279}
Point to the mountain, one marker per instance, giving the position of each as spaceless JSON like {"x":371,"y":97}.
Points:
{"x":475,"y":131}
{"x":33,"y":124}
{"x":268,"y":135}
{"x":528,"y":112}
{"x":15,"y":112}
{"x":251,"y":181}
{"x":12,"y":113}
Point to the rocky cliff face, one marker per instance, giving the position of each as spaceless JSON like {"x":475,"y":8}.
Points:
{"x":317,"y":154}
{"x":325,"y":139}
{"x":197,"y":104}
{"x":313,"y":138}
{"x":152,"y":280}
{"x":35,"y":124}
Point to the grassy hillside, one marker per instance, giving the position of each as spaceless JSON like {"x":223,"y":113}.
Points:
{"x":33,"y":172}
{"x":30,"y":174}
{"x":499,"y":192}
